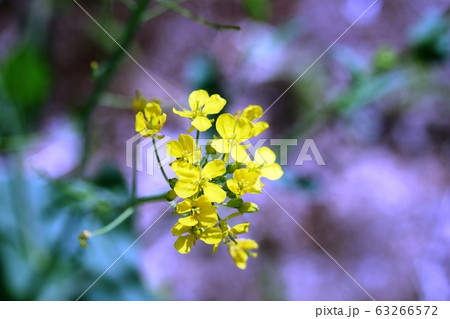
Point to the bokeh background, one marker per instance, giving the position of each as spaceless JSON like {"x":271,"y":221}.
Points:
{"x":376,"y":105}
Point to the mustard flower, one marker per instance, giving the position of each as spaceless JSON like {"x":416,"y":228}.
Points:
{"x":185,"y":150}
{"x":153,"y":120}
{"x":201,"y":105}
{"x":139,"y":102}
{"x":200,"y":211}
{"x":193,"y":179}
{"x":241,"y":250}
{"x":264,"y":164}
{"x":184,"y":242}
{"x":254,"y":112}
{"x":244,"y":182}
{"x":233,"y":131}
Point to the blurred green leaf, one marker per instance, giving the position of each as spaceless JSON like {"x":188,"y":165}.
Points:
{"x":202,"y":72}
{"x":369,"y":90}
{"x":430,"y":38}
{"x":110,"y":177}
{"x":26,"y":77}
{"x":257,"y":9}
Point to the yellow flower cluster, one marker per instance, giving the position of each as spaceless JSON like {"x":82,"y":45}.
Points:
{"x":216,"y":175}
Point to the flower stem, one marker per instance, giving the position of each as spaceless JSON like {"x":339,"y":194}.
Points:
{"x":159,"y":160}
{"x":103,"y":81}
{"x":130,"y":210}
{"x":197,"y":136}
{"x":116,"y":222}
{"x":188,"y":14}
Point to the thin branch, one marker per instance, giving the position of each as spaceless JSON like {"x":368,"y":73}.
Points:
{"x":190,"y":15}
{"x":159,"y":161}
{"x":107,"y":75}
{"x":128,"y":211}
{"x":159,"y":10}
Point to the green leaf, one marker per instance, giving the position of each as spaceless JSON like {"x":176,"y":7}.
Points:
{"x":26,"y":77}
{"x":430,"y":38}
{"x":257,"y":9}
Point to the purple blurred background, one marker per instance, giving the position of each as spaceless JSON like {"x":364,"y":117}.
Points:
{"x":376,"y":106}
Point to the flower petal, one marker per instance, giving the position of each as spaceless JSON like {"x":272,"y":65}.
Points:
{"x":187,"y":171}
{"x":152,"y":109}
{"x":240,"y":228}
{"x":243,"y":129}
{"x":233,"y":186}
{"x":214,"y":104}
{"x":201,"y":123}
{"x":141,"y":123}
{"x":184,"y":206}
{"x":178,"y":229}
{"x":212,"y":236}
{"x":225,"y":125}
{"x":252,"y":112}
{"x":259,"y":127}
{"x":221,"y":145}
{"x":186,"y":189}
{"x":174,"y":149}
{"x":187,"y":142}
{"x":247,"y":244}
{"x":239,"y":256}
{"x":184,"y":243}
{"x":272,"y":171}
{"x":198,"y":99}
{"x":188,"y":221}
{"x":265,"y":156}
{"x":207,"y":219}
{"x":184,"y":113}
{"x":214,"y":192}
{"x":213,"y":169}
{"x":239,"y":153}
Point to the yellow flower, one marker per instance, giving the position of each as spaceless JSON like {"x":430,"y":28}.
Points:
{"x":200,"y":211}
{"x":201,"y":105}
{"x":153,"y":121}
{"x":254,"y":112}
{"x":244,"y":182}
{"x":139,"y":102}
{"x":233,"y":131}
{"x":183,"y":243}
{"x":264,"y":164}
{"x":193,"y":179}
{"x":235,"y":230}
{"x":185,"y":150}
{"x":240,"y":251}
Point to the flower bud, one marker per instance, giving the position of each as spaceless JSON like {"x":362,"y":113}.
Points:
{"x":235,"y":203}
{"x":171,"y":195}
{"x":172,"y":182}
{"x":248,"y":207}
{"x":83,"y":237}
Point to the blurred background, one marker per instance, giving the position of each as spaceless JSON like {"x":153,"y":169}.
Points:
{"x":376,"y":105}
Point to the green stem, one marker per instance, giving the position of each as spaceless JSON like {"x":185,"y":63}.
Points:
{"x":197,"y":136}
{"x":233,"y":239}
{"x":159,"y":160}
{"x":130,"y":210}
{"x":145,"y":199}
{"x":157,"y":11}
{"x":134,"y":173}
{"x":116,"y":222}
{"x":188,"y":14}
{"x":106,"y":76}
